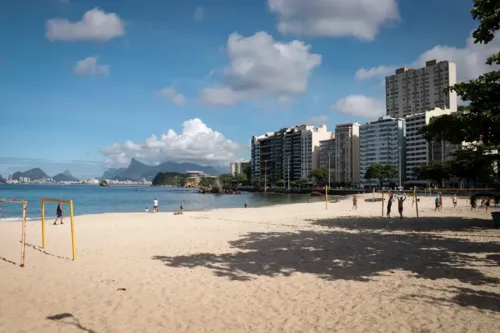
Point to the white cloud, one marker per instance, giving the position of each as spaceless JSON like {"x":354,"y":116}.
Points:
{"x":260,"y":67}
{"x":174,"y":96}
{"x":96,"y":25}
{"x":317,"y":120}
{"x":199,"y":14}
{"x":197,"y":143}
{"x":90,"y":67}
{"x":379,"y":71}
{"x":470,"y":60}
{"x":360,"y":106}
{"x":334,"y":18}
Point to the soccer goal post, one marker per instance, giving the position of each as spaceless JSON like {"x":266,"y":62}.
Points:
{"x":70,"y":203}
{"x":23,"y":225}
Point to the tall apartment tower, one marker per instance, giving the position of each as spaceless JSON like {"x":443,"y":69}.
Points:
{"x":411,"y":91}
{"x":347,"y":153}
{"x":418,"y":150}
{"x":327,"y":157}
{"x":382,"y":142}
{"x":287,"y":154}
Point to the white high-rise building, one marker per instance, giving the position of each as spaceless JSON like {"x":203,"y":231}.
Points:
{"x":382,"y":142}
{"x":327,"y":155}
{"x":411,"y":91}
{"x":418,"y":150}
{"x":347,"y":153}
{"x":236,"y":168}
{"x":288,"y":154}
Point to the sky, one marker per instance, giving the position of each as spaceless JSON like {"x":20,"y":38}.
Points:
{"x":87,"y":85}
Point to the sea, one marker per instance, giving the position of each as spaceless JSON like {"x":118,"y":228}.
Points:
{"x":93,"y":199}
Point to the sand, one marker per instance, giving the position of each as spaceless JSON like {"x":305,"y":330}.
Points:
{"x":291,"y":268}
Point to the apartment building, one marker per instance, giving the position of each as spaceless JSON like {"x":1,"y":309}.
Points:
{"x":236,"y":168}
{"x":418,"y":150}
{"x":382,"y":142}
{"x":327,"y":157}
{"x":288,"y":154}
{"x":347,"y":153}
{"x":412,"y":91}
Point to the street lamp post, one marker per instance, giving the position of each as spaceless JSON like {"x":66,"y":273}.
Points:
{"x":288,"y":173}
{"x":265,"y":176}
{"x":399,"y":163}
{"x":329,"y":155}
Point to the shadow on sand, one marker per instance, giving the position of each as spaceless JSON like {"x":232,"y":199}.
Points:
{"x":348,"y":255}
{"x":7,"y":261}
{"x":41,"y":250}
{"x":69,"y":319}
{"x":429,"y":224}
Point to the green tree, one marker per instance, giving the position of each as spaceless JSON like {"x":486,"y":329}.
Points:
{"x":207,"y":181}
{"x":321,"y":175}
{"x":381,"y":172}
{"x":280,"y":182}
{"x":168,"y":178}
{"x":479,"y":121}
{"x":472,"y":165}
{"x":436,"y":172}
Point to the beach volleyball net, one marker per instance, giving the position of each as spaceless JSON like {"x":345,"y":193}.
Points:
{"x":72,"y":219}
{"x":23,"y":224}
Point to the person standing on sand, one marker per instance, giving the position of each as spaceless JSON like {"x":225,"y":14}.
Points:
{"x":246,"y":204}
{"x":401,"y":199}
{"x":59,"y":212}
{"x":440,"y":201}
{"x":181,"y":209}
{"x":454,"y":199}
{"x":355,"y":202}
{"x":155,"y":206}
{"x":389,"y":205}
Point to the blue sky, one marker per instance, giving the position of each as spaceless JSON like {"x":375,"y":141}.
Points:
{"x":82,"y":96}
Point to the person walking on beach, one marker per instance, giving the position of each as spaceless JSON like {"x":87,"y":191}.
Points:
{"x":436,"y":203}
{"x":181,"y":209}
{"x":440,"y":201}
{"x":401,"y":199}
{"x":59,"y":212}
{"x":155,"y":206}
{"x":454,"y":199}
{"x":389,"y":205}
{"x":246,"y":204}
{"x":355,"y":202}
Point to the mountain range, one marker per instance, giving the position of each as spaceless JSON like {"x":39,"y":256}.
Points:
{"x":138,"y":170}
{"x":37,"y":174}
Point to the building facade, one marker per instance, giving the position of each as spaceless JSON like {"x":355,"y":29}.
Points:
{"x":382,"y":142}
{"x":289,"y":154}
{"x":412,"y":91}
{"x":418,"y":150}
{"x":237,"y":168}
{"x":327,"y":155}
{"x":347,"y":153}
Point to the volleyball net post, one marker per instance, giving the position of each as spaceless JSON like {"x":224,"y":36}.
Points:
{"x":70,"y":203}
{"x":23,"y":226}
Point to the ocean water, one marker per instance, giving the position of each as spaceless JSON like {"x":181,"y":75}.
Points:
{"x":92,"y":199}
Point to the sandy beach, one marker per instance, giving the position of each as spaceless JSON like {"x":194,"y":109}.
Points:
{"x":290,"y":268}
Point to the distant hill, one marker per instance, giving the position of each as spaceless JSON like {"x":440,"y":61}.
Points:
{"x":2,"y":180}
{"x":66,"y":176}
{"x":33,"y":174}
{"x":138,"y":170}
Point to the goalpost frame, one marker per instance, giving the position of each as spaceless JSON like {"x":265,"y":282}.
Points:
{"x":23,"y":225}
{"x":70,"y":203}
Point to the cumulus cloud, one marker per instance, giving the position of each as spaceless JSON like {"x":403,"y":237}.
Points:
{"x":360,"y":106}
{"x":197,"y":143}
{"x":199,"y":14}
{"x":173,"y":96}
{"x":96,"y":25}
{"x":260,"y":67}
{"x":90,"y":67}
{"x":317,"y":120}
{"x":470,"y":60}
{"x":361,"y":19}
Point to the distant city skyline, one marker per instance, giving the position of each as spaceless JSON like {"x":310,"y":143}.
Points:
{"x":193,"y":81}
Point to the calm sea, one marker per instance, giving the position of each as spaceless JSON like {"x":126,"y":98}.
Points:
{"x":91,"y":199}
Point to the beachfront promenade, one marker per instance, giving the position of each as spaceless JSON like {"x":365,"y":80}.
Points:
{"x":290,"y":268}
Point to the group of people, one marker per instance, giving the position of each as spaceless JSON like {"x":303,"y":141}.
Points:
{"x":156,"y":210}
{"x":400,"y":198}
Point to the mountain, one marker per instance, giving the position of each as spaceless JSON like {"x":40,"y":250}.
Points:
{"x":2,"y":180}
{"x":66,"y":176}
{"x":33,"y":174}
{"x":138,"y":170}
